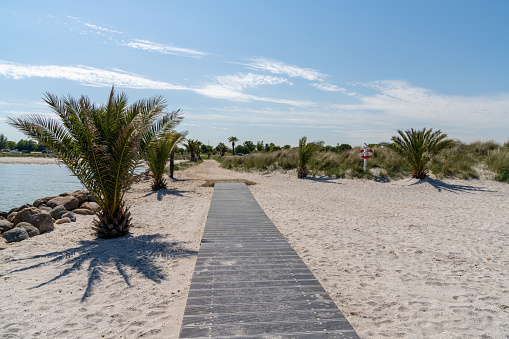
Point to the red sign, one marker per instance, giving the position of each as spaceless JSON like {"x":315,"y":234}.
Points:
{"x":366,"y":152}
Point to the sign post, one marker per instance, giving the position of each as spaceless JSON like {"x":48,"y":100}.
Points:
{"x":366,"y":153}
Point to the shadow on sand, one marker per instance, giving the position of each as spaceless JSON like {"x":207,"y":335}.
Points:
{"x":442,"y":186}
{"x":328,"y":180}
{"x":135,"y":252}
{"x":166,"y":191}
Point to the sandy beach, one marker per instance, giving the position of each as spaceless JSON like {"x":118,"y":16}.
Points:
{"x":406,"y":258}
{"x":29,"y":160}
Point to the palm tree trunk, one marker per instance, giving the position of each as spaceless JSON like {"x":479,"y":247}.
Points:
{"x":172,"y":164}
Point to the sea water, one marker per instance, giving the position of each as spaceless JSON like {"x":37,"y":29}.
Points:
{"x":22,"y":184}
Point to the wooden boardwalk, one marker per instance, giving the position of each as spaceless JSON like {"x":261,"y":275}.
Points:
{"x":248,"y":281}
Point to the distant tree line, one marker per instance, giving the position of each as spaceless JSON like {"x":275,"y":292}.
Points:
{"x":21,"y":145}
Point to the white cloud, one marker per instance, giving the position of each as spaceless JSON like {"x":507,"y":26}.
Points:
{"x":222,"y":92}
{"x":99,"y":28}
{"x":88,"y":76}
{"x":399,"y":98}
{"x":278,"y":67}
{"x":325,"y":86}
{"x":164,"y":49}
{"x":240,"y":81}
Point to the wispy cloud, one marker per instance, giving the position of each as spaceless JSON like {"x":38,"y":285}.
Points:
{"x":88,"y":76}
{"x":161,"y":48}
{"x":231,"y":87}
{"x":221,"y":92}
{"x":278,"y":67}
{"x":399,"y":98}
{"x":325,"y":86}
{"x":99,"y":28}
{"x":241,"y":80}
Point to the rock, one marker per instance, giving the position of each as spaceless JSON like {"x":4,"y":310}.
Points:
{"x":93,"y":206}
{"x":4,"y":214}
{"x":91,"y":198}
{"x":3,"y":243}
{"x":5,"y":226}
{"x":65,"y":194}
{"x":69,"y":215}
{"x":69,"y":202}
{"x":17,"y":209}
{"x":56,"y":213}
{"x":31,"y":229}
{"x":45,"y":208}
{"x":83,"y":211}
{"x":16,"y":234}
{"x":63,"y":221}
{"x":40,"y":219}
{"x":11,"y":216}
{"x":81,"y":195}
{"x":86,"y":205}
{"x":42,"y":201}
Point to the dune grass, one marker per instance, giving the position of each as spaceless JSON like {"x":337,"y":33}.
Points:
{"x":461,"y":161}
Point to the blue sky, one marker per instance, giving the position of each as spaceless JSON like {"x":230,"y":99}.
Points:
{"x":338,"y":71}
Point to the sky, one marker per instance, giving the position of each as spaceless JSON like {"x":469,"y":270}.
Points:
{"x":335,"y":71}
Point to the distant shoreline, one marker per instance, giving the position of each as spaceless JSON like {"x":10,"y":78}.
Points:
{"x":29,"y":160}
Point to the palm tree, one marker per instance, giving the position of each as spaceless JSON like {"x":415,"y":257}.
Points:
{"x":192,"y":147}
{"x":233,"y":140}
{"x":418,"y":147}
{"x":158,"y":154}
{"x":221,"y":148}
{"x":102,"y":145}
{"x":306,"y":151}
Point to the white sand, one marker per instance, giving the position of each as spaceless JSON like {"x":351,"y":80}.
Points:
{"x":401,"y":259}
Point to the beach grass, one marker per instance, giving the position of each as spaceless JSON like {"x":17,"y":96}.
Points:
{"x":461,"y":161}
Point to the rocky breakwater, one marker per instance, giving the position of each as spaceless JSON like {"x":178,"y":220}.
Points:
{"x":27,"y":221}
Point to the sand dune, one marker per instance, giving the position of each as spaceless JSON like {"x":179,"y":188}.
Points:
{"x":414,"y":259}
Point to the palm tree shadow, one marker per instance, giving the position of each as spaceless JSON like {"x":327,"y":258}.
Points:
{"x":135,"y":252}
{"x":442,"y":186}
{"x":166,"y":191}
{"x":328,"y":180}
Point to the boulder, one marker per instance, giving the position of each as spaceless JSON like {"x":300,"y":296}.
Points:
{"x":31,"y":229}
{"x":42,"y":201}
{"x":16,"y":234}
{"x":4,"y":214}
{"x":81,"y":195}
{"x":90,"y":197}
{"x":69,"y":215}
{"x":56,"y":213}
{"x":69,"y":202}
{"x":93,"y":206}
{"x":5,"y":226}
{"x":40,"y":219}
{"x":65,"y":194}
{"x":45,"y":208}
{"x":17,"y":209}
{"x":11,"y":216}
{"x":63,"y":221}
{"x":3,"y":243}
{"x":83,"y":211}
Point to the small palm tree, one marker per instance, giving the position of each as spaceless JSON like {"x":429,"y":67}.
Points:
{"x":221,"y":148}
{"x":158,"y":154}
{"x":233,"y":140}
{"x":192,"y":147}
{"x":418,"y":147}
{"x":306,"y":151}
{"x":102,"y":145}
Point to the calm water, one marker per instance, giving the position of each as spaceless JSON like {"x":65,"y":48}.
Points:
{"x":22,"y":184}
